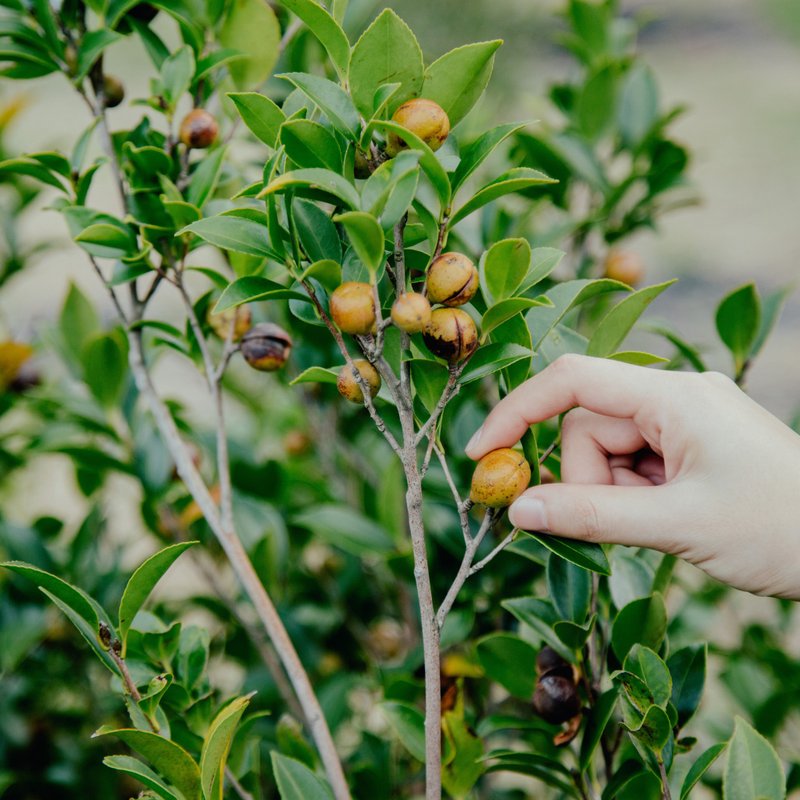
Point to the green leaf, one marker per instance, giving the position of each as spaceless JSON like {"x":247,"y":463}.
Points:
{"x":515,"y":180}
{"x":316,"y":180}
{"x":572,"y":634}
{"x":318,"y":235}
{"x":654,"y":730}
{"x":177,"y":72}
{"x":614,"y":327}
{"x":753,"y":769}
{"x":328,"y":272}
{"x":474,"y":154}
{"x":105,"y":367}
{"x":408,"y":723}
{"x":310,"y":144}
{"x":326,"y":29}
{"x":233,"y":233}
{"x":345,"y":528}
{"x":431,"y":165}
{"x":700,"y":767}
{"x":570,"y":587}
{"x":645,"y":663}
{"x":457,"y":79}
{"x":205,"y":177}
{"x":543,"y":768}
{"x":640,"y":622}
{"x":491,"y":358}
{"x":32,"y":168}
{"x":142,"y":583}
{"x":638,"y":358}
{"x":366,"y":235}
{"x":296,"y":781}
{"x":217,"y":745}
{"x":331,"y":98}
{"x":688,"y":669}
{"x":510,"y":661}
{"x":252,"y":28}
{"x":78,"y":320}
{"x":506,"y":309}
{"x":540,"y":616}
{"x":596,"y":724}
{"x":503,"y":267}
{"x":380,"y":190}
{"x":543,"y":261}
{"x":429,"y":378}
{"x":168,"y":758}
{"x":738,"y":321}
{"x":252,"y":288}
{"x":638,"y":107}
{"x":770,"y":312}
{"x":387,"y":52}
{"x":461,"y":772}
{"x":106,"y":240}
{"x":316,"y":375}
{"x":583,"y":554}
{"x":260,"y":114}
{"x":140,"y":772}
{"x":596,"y":103}
{"x":92,"y":46}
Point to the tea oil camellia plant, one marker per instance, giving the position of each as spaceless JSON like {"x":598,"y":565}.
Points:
{"x":371,"y":247}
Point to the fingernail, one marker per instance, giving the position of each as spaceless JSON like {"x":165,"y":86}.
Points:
{"x":528,"y":513}
{"x":473,"y":442}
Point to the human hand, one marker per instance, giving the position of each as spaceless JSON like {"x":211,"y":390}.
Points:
{"x":679,"y":462}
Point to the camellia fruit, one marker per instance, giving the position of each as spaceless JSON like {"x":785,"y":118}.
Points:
{"x":266,"y":346}
{"x":349,"y":387}
{"x":425,"y":119}
{"x":411,"y":312}
{"x":199,"y":129}
{"x":624,"y":266}
{"x":113,"y":91}
{"x":352,"y":308}
{"x":240,"y":317}
{"x":452,"y":280}
{"x":451,"y":334}
{"x":556,"y":699}
{"x":500,"y":477}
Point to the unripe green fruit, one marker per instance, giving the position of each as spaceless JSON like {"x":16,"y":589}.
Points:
{"x":625,"y":266}
{"x":352,"y":308}
{"x":266,"y":346}
{"x":556,"y":699}
{"x":451,"y":334}
{"x":411,"y":312}
{"x":113,"y":91}
{"x":500,"y":477}
{"x":426,"y":119}
{"x":199,"y":129}
{"x":349,"y":387}
{"x":452,"y":280}
{"x":221,"y":323}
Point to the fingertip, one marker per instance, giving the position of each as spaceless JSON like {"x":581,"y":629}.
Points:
{"x":528,"y":513}
{"x":472,"y":449}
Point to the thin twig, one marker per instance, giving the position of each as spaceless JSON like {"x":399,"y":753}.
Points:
{"x":463,"y":508}
{"x":496,"y":551}
{"x":450,"y":390}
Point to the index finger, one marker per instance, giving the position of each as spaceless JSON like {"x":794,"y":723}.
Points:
{"x":597,"y":384}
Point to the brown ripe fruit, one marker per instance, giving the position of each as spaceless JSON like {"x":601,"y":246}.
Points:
{"x":113,"y":91}
{"x":548,"y":659}
{"x":625,"y":266}
{"x":426,"y":119}
{"x":240,"y":317}
{"x":500,"y":477}
{"x":452,"y":280}
{"x":296,"y":443}
{"x":411,"y":312}
{"x":556,"y":699}
{"x":349,"y":387}
{"x":451,"y":334}
{"x":199,"y":129}
{"x":352,"y":308}
{"x":266,"y":346}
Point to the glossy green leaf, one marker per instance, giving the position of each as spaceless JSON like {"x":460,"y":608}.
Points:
{"x":387,"y":52}
{"x":506,"y":309}
{"x":334,"y":102}
{"x":688,"y":669}
{"x":141,"y":772}
{"x":104,"y":358}
{"x":169,"y":759}
{"x":570,"y":588}
{"x":583,"y":554}
{"x":380,"y":188}
{"x":596,"y":723}
{"x":32,"y":168}
{"x":316,"y":375}
{"x":543,"y":261}
{"x":317,"y":232}
{"x":596,"y":103}
{"x":638,"y":358}
{"x":510,"y":661}
{"x":547,"y":770}
{"x":614,"y":327}
{"x":177,"y":72}
{"x":640,"y":622}
{"x":345,"y":528}
{"x":572,"y":634}
{"x":217,"y":745}
{"x":474,"y":154}
{"x":491,"y":358}
{"x":541,"y":616}
{"x":205,"y":177}
{"x":515,"y":180}
{"x":408,"y":724}
{"x":260,"y":114}
{"x":646,"y":663}
{"x":296,"y":781}
{"x":366,"y":236}
{"x":107,"y":240}
{"x":770,"y":312}
{"x":503,"y":267}
{"x":326,"y":29}
{"x":142,"y":583}
{"x":310,"y":144}
{"x":252,"y":28}
{"x":252,"y":288}
{"x":92,"y":46}
{"x":463,"y":769}
{"x":429,"y":378}
{"x":327,"y":272}
{"x":654,"y":730}
{"x":457,"y":79}
{"x":738,"y":321}
{"x":638,"y":106}
{"x":753,"y":769}
{"x":233,"y":233}
{"x":700,"y":767}
{"x":318,"y":180}
{"x":78,"y":320}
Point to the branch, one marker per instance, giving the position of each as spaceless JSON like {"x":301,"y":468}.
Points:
{"x":451,"y":389}
{"x":110,"y":289}
{"x":462,"y":506}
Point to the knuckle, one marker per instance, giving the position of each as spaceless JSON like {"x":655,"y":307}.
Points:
{"x":574,"y":421}
{"x":718,"y":379}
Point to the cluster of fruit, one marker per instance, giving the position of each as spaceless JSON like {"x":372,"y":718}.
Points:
{"x":264,"y":346}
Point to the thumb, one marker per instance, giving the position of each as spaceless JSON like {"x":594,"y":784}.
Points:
{"x":640,"y":516}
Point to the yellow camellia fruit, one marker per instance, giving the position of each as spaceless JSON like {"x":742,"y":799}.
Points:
{"x":199,"y":129}
{"x":500,"y":477}
{"x":352,"y":308}
{"x":411,"y":312}
{"x":240,"y":317}
{"x":266,"y":346}
{"x":625,"y":266}
{"x":451,"y":334}
{"x":425,"y":119}
{"x":452,"y":280}
{"x":349,"y":387}
{"x":113,"y":91}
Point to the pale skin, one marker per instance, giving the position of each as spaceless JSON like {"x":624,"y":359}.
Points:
{"x":683,"y":463}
